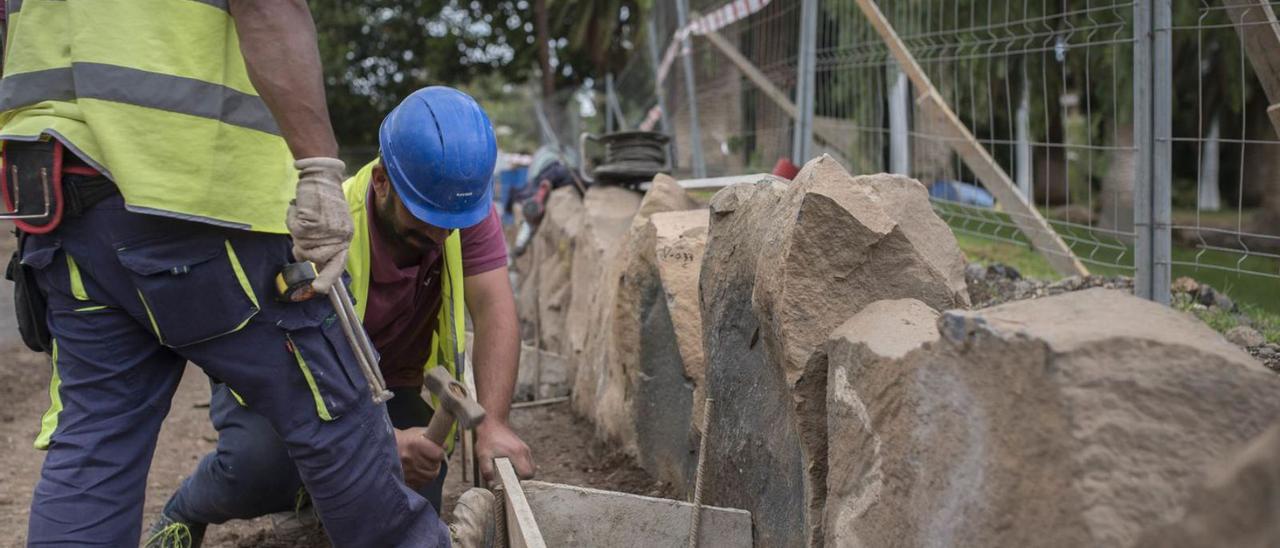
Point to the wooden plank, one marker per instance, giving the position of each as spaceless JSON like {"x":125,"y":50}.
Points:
{"x":522,"y":528}
{"x":974,"y":155}
{"x":1260,"y":31}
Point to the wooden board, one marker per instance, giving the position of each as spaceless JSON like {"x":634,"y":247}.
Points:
{"x":1260,"y":31}
{"x":522,"y":528}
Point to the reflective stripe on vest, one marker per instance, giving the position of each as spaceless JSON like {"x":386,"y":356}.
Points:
{"x":447,"y":345}
{"x":153,"y":93}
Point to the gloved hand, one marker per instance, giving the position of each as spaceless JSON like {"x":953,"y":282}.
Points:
{"x":320,"y":220}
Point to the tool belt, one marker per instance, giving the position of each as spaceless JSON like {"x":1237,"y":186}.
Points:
{"x":41,"y":186}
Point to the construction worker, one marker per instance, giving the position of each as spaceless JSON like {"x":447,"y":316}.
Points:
{"x":425,"y":228}
{"x":163,"y":136}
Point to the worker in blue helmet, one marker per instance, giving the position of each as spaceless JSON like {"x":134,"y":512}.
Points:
{"x":428,"y":247}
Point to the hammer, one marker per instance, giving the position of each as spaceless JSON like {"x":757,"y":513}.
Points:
{"x":455,"y":403}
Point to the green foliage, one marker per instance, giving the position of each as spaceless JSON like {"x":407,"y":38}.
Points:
{"x":376,"y":52}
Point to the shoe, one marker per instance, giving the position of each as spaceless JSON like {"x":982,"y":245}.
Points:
{"x":167,"y":532}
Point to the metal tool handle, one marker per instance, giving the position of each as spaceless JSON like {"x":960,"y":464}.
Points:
{"x":359,"y":341}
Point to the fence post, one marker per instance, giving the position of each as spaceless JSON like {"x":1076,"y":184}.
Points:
{"x":806,"y":67}
{"x":899,"y":120}
{"x":1023,"y":157}
{"x":686,"y":60}
{"x":660,"y":91}
{"x":1153,"y":131}
{"x":608,"y":102}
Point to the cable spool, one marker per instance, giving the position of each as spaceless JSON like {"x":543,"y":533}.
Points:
{"x":630,"y":157}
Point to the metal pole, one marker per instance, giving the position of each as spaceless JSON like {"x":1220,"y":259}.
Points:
{"x":1153,"y":111}
{"x":802,"y":146}
{"x":899,"y":121}
{"x":1162,"y":170}
{"x":660,"y":91}
{"x":686,"y":59}
{"x":1143,"y":142}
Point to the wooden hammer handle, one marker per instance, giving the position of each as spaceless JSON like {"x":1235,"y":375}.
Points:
{"x":438,"y":428}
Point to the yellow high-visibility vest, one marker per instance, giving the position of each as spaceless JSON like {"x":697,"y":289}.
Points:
{"x":449,"y":339}
{"x":155,"y":95}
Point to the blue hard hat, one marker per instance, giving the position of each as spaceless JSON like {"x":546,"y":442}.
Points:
{"x":438,"y":149}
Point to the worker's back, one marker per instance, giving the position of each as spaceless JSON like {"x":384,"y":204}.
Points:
{"x":155,"y":95}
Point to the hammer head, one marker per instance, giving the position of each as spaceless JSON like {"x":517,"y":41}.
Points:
{"x":454,"y":398}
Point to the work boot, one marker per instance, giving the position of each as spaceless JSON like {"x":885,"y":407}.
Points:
{"x":167,"y":532}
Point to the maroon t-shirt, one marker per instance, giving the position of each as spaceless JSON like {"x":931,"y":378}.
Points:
{"x":404,"y":302}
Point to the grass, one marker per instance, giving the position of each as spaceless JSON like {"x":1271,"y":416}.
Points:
{"x":1258,"y":298}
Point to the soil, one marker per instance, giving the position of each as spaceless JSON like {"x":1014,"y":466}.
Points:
{"x":562,"y":446}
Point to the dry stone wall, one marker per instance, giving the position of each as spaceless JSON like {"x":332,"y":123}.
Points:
{"x":546,"y":282}
{"x":854,"y":398}
{"x":786,"y":264}
{"x":607,"y":363}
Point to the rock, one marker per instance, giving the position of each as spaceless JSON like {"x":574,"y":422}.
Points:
{"x":1185,"y":284}
{"x":1223,"y":302}
{"x":1102,"y":404}
{"x":546,"y":287}
{"x":1245,"y":336}
{"x":542,"y":375}
{"x":666,"y":379}
{"x":607,"y":213}
{"x":605,"y":369}
{"x":1236,"y":505}
{"x":784,"y":265}
{"x":974,"y":272}
{"x":867,"y":348}
{"x":1210,"y":297}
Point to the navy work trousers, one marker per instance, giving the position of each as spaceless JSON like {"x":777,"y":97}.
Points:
{"x":132,"y":297}
{"x":250,"y":473}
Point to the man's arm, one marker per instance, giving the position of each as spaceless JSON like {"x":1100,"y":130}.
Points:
{"x":495,"y":362}
{"x":278,"y":41}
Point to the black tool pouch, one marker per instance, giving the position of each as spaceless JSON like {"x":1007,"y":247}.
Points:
{"x":30,"y":304}
{"x":31,"y":184}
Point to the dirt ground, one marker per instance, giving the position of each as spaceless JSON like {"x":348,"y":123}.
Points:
{"x":561,"y":445}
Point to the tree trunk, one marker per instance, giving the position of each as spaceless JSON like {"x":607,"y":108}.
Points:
{"x":544,"y":47}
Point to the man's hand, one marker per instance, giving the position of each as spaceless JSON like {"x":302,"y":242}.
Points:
{"x":320,"y":221}
{"x":495,"y":439}
{"x":419,"y":457}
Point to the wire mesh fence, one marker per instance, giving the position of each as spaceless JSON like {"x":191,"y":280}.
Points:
{"x":1059,"y":93}
{"x":1226,"y":155}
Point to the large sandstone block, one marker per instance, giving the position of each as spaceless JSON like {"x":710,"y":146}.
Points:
{"x":607,"y":213}
{"x":604,"y":368}
{"x":659,"y":330}
{"x":546,"y":275}
{"x":1237,"y":505}
{"x":784,"y":266}
{"x":1075,"y":420}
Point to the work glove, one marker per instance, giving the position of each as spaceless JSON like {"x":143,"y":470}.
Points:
{"x":319,"y":219}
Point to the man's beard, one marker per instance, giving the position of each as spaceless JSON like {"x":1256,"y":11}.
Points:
{"x":386,"y":213}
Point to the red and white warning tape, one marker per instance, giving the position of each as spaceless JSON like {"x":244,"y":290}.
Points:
{"x":731,"y":12}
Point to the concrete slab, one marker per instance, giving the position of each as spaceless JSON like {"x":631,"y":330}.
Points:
{"x":578,"y":516}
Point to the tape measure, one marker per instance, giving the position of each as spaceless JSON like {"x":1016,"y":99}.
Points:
{"x":293,"y":283}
